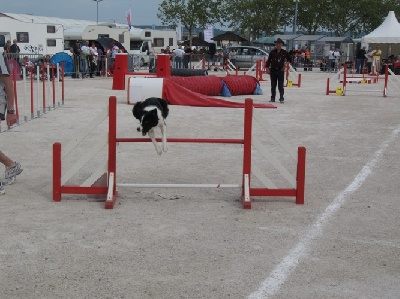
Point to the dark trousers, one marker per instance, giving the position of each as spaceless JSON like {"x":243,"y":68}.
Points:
{"x":277,"y":78}
{"x":360,"y":65}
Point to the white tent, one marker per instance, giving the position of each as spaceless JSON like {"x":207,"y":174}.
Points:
{"x":387,"y":33}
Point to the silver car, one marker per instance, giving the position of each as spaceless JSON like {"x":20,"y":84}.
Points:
{"x":246,"y":56}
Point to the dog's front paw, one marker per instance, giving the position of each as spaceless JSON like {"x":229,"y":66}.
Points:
{"x":159,"y":151}
{"x":165,"y":148}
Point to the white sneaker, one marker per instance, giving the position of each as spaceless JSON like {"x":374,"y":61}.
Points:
{"x":2,"y":192}
{"x":12,"y":172}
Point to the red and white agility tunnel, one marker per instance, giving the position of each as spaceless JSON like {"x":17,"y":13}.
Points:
{"x":194,"y":91}
{"x":109,"y":186}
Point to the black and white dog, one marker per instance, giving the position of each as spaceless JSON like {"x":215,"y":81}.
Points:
{"x":152,"y":113}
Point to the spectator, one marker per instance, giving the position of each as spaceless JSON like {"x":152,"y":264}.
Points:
{"x":14,"y":51}
{"x":187,"y":57}
{"x":114,"y":50}
{"x":85,"y":57}
{"x":331,"y":58}
{"x":337,"y":55}
{"x":299,"y":54}
{"x":100,"y":61}
{"x":178,"y":53}
{"x":370,"y":60}
{"x":76,"y":51}
{"x":167,"y":50}
{"x":152,"y":58}
{"x":93,"y":57}
{"x":12,"y":168}
{"x":7,"y":49}
{"x":49,"y":69}
{"x":376,"y":55}
{"x":292,"y":54}
{"x":225,"y":56}
{"x":275,"y":66}
{"x":360,"y":56}
{"x":323,"y":66}
{"x":232,"y":56}
{"x":307,"y":60}
{"x":27,"y":64}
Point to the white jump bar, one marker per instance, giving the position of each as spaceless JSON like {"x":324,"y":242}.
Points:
{"x":180,"y":185}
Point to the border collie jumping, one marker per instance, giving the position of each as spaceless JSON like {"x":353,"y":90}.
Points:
{"x":152,"y":113}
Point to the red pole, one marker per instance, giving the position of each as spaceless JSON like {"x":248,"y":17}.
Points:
{"x":54,"y":87}
{"x":32,"y":97}
{"x":112,"y":144}
{"x":327,"y":86}
{"x":301,"y":175}
{"x":299,"y":80}
{"x":15,"y":93}
{"x":57,"y":171}
{"x":386,"y":80}
{"x":247,"y":133}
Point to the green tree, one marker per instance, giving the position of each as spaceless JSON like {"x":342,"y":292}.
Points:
{"x":312,"y":15}
{"x":257,"y":16}
{"x":190,"y":14}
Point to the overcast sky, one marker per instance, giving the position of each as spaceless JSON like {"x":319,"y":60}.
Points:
{"x":144,"y":12}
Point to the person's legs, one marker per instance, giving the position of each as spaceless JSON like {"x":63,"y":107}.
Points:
{"x":281,"y":79}
{"x":3,"y":100}
{"x":274,"y":81}
{"x":358,"y":66}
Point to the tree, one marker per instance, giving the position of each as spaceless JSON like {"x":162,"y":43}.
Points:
{"x":257,"y":16}
{"x":190,"y":13}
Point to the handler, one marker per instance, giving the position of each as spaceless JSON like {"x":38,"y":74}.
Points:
{"x":275,"y":67}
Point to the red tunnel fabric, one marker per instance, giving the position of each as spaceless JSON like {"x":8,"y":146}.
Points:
{"x":240,"y":85}
{"x":176,"y":94}
{"x":207,"y":85}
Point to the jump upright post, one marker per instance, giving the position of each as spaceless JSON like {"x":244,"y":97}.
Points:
{"x":110,"y":189}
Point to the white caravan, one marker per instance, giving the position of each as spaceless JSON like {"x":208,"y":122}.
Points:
{"x":32,"y":38}
{"x":142,"y":39}
{"x":137,"y":41}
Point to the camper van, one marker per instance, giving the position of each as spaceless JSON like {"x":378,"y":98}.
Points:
{"x":136,"y":41}
{"x":141,"y":41}
{"x":32,"y":38}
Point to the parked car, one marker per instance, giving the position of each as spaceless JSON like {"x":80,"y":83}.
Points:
{"x":246,"y":56}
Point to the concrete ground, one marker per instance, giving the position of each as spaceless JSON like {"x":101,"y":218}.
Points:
{"x":344,"y":242}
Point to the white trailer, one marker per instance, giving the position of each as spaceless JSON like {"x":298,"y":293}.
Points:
{"x":141,"y":41}
{"x":136,"y":41}
{"x":32,"y":37}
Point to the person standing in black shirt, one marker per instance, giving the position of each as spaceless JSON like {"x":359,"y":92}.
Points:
{"x":361,"y":57}
{"x":14,"y":50}
{"x":276,"y":63}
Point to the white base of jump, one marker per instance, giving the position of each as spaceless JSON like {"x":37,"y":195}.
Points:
{"x":180,"y":185}
{"x":140,"y":89}
{"x":358,"y":80}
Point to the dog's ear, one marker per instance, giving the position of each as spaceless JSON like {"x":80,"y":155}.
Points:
{"x":137,"y":110}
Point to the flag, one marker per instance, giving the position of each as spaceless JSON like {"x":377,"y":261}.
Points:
{"x":128,"y":18}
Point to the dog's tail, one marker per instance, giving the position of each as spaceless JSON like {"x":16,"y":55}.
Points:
{"x":137,"y":110}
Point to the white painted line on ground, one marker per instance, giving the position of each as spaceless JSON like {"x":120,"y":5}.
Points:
{"x":272,"y":284}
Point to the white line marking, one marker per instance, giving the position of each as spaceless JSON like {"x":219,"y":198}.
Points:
{"x":278,"y":276}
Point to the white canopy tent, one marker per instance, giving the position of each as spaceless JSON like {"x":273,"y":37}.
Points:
{"x":387,"y":33}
